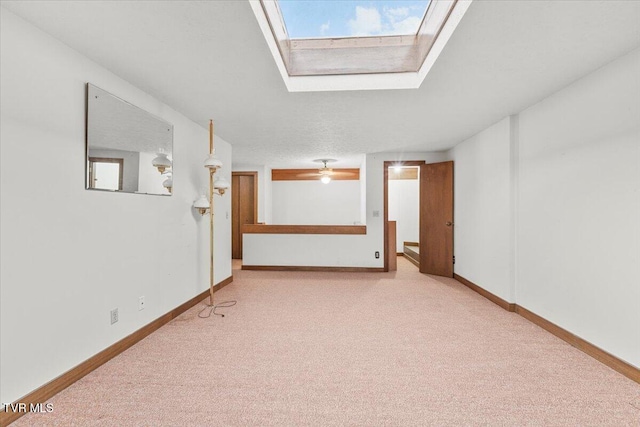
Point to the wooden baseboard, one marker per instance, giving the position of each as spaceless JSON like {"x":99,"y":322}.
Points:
{"x":488,"y":295}
{"x":412,"y":260}
{"x":53,"y":387}
{"x":597,"y":353}
{"x":313,"y":268}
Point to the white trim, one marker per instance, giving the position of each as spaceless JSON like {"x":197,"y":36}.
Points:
{"x":447,"y":30}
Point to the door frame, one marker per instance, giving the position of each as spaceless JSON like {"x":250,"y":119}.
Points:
{"x":92,"y":170}
{"x":387,"y":164}
{"x":254,"y":175}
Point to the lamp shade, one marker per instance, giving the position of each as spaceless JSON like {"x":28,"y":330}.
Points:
{"x":161,"y":162}
{"x":201,"y":203}
{"x":325,"y":179}
{"x":168,"y":183}
{"x":212,"y":162}
{"x":221,"y":184}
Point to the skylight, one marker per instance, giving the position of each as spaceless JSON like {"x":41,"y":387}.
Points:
{"x":321,"y":45}
{"x":306,"y":19}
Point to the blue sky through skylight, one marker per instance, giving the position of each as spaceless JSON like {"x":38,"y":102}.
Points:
{"x":351,"y":18}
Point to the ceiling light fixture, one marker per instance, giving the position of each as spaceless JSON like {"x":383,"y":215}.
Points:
{"x":324,"y":171}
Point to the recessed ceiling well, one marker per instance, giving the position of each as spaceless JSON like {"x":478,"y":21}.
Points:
{"x":353,"y":45}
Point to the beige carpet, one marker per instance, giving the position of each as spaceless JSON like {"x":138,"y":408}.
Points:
{"x":333,"y":349}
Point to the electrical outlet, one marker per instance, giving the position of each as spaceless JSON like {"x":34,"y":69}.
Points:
{"x":376,"y":214}
{"x":114,"y":316}
{"x":227,"y":215}
{"x":141,"y":303}
{"x":377,"y":254}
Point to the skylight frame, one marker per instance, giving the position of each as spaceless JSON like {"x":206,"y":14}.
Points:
{"x":425,"y":47}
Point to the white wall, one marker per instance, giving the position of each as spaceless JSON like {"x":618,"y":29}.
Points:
{"x":70,"y":255}
{"x":547,"y":208}
{"x":482,"y":209}
{"x":578,"y":234}
{"x":404,"y":208}
{"x":312,"y":202}
{"x":336,"y":250}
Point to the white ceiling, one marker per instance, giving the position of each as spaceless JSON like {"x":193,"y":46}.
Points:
{"x":208,"y":59}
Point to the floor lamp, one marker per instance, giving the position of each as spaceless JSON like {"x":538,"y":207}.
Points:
{"x":204,"y":204}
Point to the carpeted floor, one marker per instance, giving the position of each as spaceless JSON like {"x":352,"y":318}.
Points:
{"x":364,"y":349}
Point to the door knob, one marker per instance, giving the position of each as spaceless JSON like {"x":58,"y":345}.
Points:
{"x":448,"y":223}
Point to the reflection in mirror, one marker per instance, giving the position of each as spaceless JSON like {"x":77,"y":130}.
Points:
{"x":128,"y":149}
{"x":105,"y":174}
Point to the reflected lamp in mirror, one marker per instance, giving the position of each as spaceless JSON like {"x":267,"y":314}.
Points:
{"x":202,"y":204}
{"x":161,"y":162}
{"x":126,"y":146}
{"x":168,"y":183}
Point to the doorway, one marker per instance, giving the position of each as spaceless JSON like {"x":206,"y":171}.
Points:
{"x":244,"y":207}
{"x":106,"y":173}
{"x":436,"y":217}
{"x":404,"y":211}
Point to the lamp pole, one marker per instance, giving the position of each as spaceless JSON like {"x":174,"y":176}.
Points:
{"x":212,"y":171}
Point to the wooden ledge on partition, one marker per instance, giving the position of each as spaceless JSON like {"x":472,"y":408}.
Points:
{"x":303,"y":229}
{"x":313,"y":175}
{"x":313,"y":268}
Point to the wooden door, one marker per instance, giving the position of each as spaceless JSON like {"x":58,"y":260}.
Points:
{"x":436,"y":219}
{"x":243,"y":207}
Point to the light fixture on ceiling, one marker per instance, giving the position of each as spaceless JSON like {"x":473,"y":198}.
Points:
{"x":325,"y":172}
{"x":204,"y":204}
{"x":161,"y":162}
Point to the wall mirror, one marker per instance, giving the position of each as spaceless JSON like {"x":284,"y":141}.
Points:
{"x":128,"y":149}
